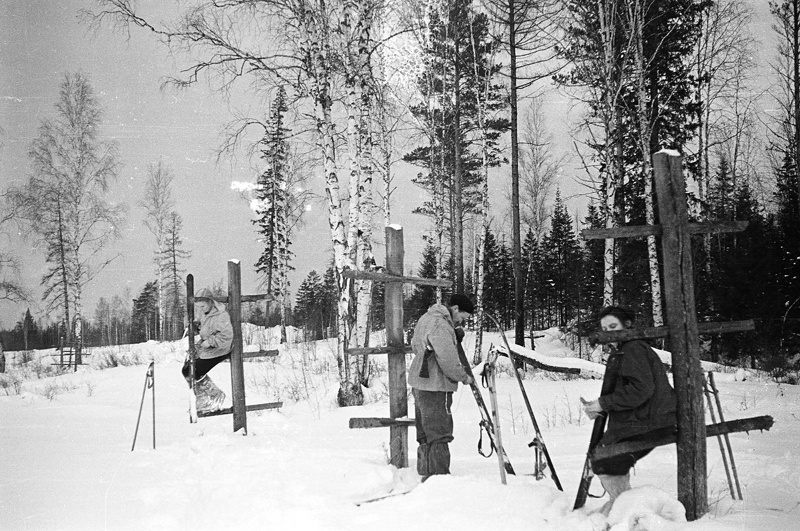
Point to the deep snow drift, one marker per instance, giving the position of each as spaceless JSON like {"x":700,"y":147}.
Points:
{"x":65,"y":443}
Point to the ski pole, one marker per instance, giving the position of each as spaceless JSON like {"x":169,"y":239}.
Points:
{"x":153,"y":393}
{"x":147,"y":384}
{"x":727,"y":439}
{"x":719,"y":440}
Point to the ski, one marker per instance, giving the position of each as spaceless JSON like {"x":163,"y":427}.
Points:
{"x":192,"y":394}
{"x":486,"y":423}
{"x":587,"y":475}
{"x":392,"y":494}
{"x":488,"y":374}
{"x":539,"y":440}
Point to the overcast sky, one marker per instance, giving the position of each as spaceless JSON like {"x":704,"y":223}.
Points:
{"x":41,"y":40}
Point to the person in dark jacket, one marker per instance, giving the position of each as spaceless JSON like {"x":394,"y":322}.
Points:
{"x":213,"y":344}
{"x":636,"y":396}
{"x":434,"y":375}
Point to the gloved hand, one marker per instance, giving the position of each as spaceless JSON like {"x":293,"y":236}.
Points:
{"x":592,"y":409}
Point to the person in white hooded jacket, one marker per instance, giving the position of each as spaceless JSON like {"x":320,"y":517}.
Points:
{"x":213,"y":344}
{"x":433,"y":376}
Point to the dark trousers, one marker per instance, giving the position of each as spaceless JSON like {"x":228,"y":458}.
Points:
{"x":434,"y":423}
{"x":620,"y":465}
{"x":201,"y":367}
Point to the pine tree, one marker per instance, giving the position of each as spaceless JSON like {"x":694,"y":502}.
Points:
{"x":452,"y":89}
{"x":171,"y":261}
{"x":144,"y":319}
{"x":531,"y":269}
{"x":423,"y":297}
{"x":308,"y":310}
{"x":272,"y":197}
{"x":562,"y":261}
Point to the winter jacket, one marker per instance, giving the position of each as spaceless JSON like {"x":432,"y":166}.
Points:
{"x":440,"y":368}
{"x":636,"y":393}
{"x":216,"y":330}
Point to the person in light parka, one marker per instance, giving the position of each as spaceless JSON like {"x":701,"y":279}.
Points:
{"x":434,"y":375}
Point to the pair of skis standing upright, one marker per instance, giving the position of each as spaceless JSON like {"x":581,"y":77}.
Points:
{"x":489,"y":423}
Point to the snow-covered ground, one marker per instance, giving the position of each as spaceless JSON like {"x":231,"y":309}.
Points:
{"x":66,"y":460}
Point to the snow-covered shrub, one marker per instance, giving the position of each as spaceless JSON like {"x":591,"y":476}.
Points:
{"x":24,"y":357}
{"x":11,"y":383}
{"x":51,"y":389}
{"x":116,"y":356}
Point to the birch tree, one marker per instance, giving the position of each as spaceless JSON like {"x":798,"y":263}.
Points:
{"x":64,"y":201}
{"x":595,"y":47}
{"x":293,"y":42}
{"x":11,"y":288}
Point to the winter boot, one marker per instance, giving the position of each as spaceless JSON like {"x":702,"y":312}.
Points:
{"x":422,"y":460}
{"x":614,"y":485}
{"x":439,"y":458}
{"x":207,"y":395}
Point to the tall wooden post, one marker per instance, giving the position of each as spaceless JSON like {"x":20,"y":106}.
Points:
{"x":398,"y":405}
{"x":237,"y":369}
{"x":683,"y":335}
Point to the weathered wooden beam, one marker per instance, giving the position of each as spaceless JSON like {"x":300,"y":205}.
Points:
{"x":253,"y":407}
{"x":642,"y":231}
{"x":405,"y":349}
{"x":393,"y":318}
{"x":378,"y":422}
{"x":391,"y":278}
{"x":237,"y":369}
{"x":258,"y":297}
{"x":243,"y":298}
{"x":667,"y":436}
{"x":681,"y":317}
{"x":626,"y":231}
{"x":261,"y":354}
{"x":717,"y":227}
{"x":656,"y":332}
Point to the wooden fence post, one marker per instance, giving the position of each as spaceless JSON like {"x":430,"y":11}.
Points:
{"x":237,"y":370}
{"x":683,"y":334}
{"x":398,"y":402}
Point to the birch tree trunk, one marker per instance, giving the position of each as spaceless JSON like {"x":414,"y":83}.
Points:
{"x":645,"y":133}
{"x":484,"y":211}
{"x":607,"y":18}
{"x":317,"y":47}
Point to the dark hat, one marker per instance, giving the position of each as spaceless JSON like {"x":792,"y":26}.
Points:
{"x":204,"y":293}
{"x":463,"y":303}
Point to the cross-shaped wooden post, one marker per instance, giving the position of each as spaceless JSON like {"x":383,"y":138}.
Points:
{"x":398,"y":421}
{"x":233,"y":301}
{"x":682,"y":327}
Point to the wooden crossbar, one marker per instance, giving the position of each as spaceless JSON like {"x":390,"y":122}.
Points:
{"x":405,"y":349}
{"x":379,"y":422}
{"x":252,"y":407}
{"x":641,"y":231}
{"x":388,"y":277}
{"x":261,"y":354}
{"x":663,"y":331}
{"x":244,"y":298}
{"x":668,"y":436}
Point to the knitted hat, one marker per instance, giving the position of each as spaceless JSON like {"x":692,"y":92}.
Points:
{"x":204,"y":293}
{"x":463,"y":303}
